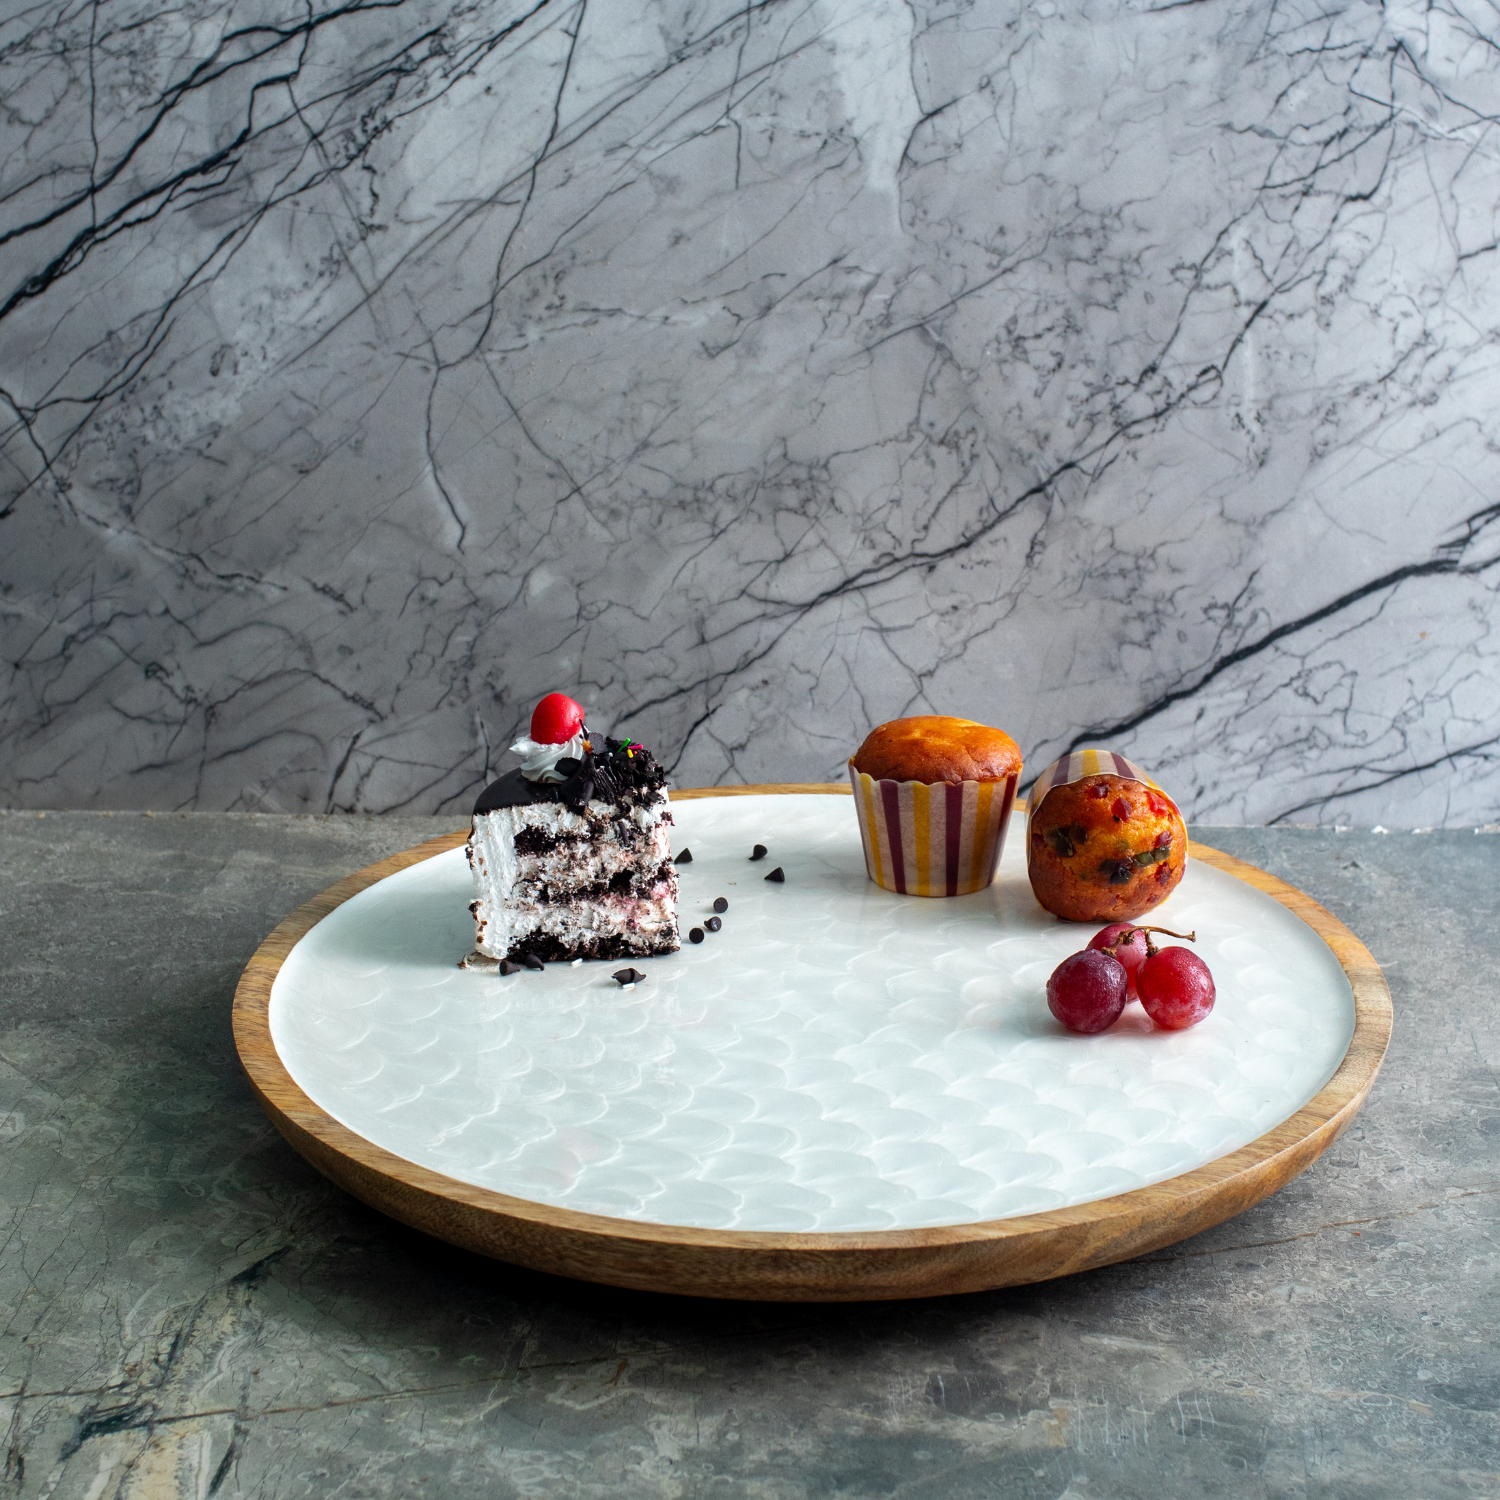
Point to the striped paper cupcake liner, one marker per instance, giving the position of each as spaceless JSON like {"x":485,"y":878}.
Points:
{"x":1077,"y":765}
{"x":932,"y":840}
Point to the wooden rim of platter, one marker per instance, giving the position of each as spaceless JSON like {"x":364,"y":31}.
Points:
{"x":798,"y":1266}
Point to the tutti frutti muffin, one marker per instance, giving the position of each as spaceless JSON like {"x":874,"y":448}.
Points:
{"x":1104,"y":844}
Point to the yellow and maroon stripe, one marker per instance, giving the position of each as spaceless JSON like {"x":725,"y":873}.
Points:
{"x":1077,"y":764}
{"x":932,"y":840}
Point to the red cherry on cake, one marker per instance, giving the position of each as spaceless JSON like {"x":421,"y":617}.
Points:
{"x":556,"y":719}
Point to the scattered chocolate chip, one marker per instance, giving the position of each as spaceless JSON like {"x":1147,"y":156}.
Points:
{"x":778,"y":875}
{"x":622,"y":977}
{"x":532,"y":962}
{"x":758,"y":852}
{"x":685,"y":858}
{"x":721,"y":904}
{"x":714,"y":924}
{"x":696,"y":935}
{"x":507,"y":967}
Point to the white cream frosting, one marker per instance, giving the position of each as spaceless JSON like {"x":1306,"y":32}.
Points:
{"x":539,"y":761}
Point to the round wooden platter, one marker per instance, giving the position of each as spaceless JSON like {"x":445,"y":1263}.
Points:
{"x":810,"y":1267}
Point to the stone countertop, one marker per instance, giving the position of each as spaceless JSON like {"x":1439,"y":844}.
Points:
{"x":191,"y":1310}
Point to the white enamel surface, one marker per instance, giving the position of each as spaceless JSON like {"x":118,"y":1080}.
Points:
{"x":837,"y":1058}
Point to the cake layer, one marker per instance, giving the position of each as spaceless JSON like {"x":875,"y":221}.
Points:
{"x":609,"y":927}
{"x":557,"y":881}
{"x":571,"y":887}
{"x":571,"y":867}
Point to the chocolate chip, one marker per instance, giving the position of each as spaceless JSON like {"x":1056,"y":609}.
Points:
{"x":713,"y":924}
{"x":721,"y":904}
{"x":507,"y":967}
{"x":532,"y":962}
{"x":778,"y":875}
{"x":696,"y":935}
{"x":685,"y":858}
{"x":758,"y":852}
{"x":1119,"y":871}
{"x":622,"y":977}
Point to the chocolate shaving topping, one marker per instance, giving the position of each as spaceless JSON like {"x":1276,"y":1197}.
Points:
{"x":758,"y":852}
{"x":579,"y":786}
{"x":714,"y":924}
{"x":778,"y":875}
{"x":696,"y":935}
{"x":622,"y":769}
{"x":631,"y":767}
{"x":721,"y":903}
{"x":507,"y":967}
{"x":685,"y":858}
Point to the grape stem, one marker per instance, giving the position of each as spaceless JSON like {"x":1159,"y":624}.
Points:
{"x":1151,"y":949}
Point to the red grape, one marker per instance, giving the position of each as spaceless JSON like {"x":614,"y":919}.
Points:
{"x":1176,"y":988}
{"x":1131,"y":953}
{"x":1087,"y":991}
{"x":556,"y":719}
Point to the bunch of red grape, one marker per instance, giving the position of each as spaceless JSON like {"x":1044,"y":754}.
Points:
{"x":1088,"y":991}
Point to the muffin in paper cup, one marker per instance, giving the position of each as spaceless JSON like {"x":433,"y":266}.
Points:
{"x":933,"y":815}
{"x":1104,"y":842}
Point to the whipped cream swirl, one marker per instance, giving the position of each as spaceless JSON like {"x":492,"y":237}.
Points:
{"x":539,"y":761}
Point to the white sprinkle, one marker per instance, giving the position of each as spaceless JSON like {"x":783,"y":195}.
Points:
{"x":1378,"y":829}
{"x":575,"y":963}
{"x":629,"y":986}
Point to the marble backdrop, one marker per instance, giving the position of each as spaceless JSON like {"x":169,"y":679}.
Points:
{"x":1116,"y":372}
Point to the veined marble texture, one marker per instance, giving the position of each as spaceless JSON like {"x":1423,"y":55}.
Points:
{"x":1118,"y":373}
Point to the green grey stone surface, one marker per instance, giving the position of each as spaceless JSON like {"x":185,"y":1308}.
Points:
{"x":190,"y":1310}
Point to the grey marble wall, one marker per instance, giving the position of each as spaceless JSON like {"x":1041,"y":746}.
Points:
{"x":1113,"y":372}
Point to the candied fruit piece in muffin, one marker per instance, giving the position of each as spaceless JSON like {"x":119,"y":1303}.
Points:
{"x":1105,"y":849}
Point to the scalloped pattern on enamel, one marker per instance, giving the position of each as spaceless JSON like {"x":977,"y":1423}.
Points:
{"x":837,"y":1058}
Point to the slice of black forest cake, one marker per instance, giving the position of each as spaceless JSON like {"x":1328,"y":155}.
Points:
{"x":571,"y":852}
